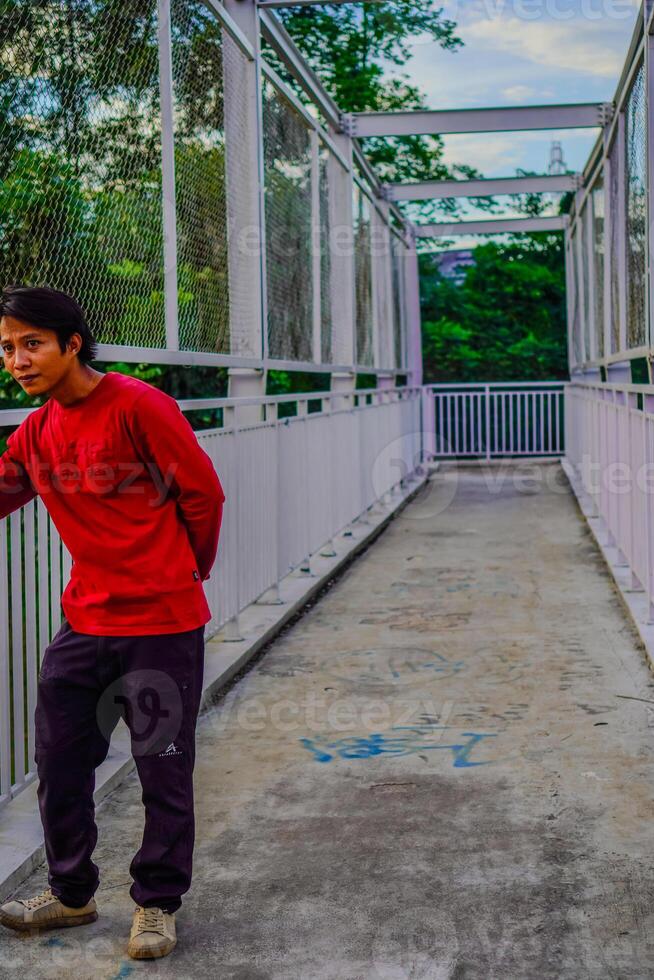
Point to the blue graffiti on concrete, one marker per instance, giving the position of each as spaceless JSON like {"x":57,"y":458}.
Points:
{"x":398,"y":741}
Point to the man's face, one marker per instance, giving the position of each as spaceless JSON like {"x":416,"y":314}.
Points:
{"x":32,"y":356}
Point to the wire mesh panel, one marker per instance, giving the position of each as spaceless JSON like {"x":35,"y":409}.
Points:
{"x":80,"y":156}
{"x":616,"y":261}
{"x":200,"y":185}
{"x":287,"y":161}
{"x":363,"y":278}
{"x":336,"y":260}
{"x":328,"y":218}
{"x":636,"y":210}
{"x":585,"y":305}
{"x":597,"y":204}
{"x":398,"y":252}
{"x":383,"y":308}
{"x":576,"y":315}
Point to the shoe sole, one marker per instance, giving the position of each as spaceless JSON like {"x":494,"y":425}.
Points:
{"x":153,"y":953}
{"x":64,"y":923}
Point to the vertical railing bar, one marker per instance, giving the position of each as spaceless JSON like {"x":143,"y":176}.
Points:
{"x":18,"y":685}
{"x":32,"y":666}
{"x":5,"y":711}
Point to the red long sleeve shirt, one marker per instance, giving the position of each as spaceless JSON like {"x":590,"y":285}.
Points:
{"x":135,"y":498}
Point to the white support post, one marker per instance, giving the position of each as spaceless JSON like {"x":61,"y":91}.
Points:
{"x":244,"y":183}
{"x":168,"y":175}
{"x":581,"y":298}
{"x":316,"y":247}
{"x":590,"y":260}
{"x":649,"y":101}
{"x":569,"y":295}
{"x":342,"y":249}
{"x":608,"y":219}
{"x":648,"y":406}
{"x":247,"y":272}
{"x":621,"y":218}
{"x":385,"y":270}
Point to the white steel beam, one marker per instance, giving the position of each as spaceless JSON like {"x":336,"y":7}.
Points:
{"x":433,"y":190}
{"x":278,"y":37}
{"x":587,"y":115}
{"x":444,"y":229}
{"x":308,"y":3}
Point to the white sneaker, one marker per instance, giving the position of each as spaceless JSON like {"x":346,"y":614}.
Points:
{"x":153,"y":934}
{"x":44,"y":911}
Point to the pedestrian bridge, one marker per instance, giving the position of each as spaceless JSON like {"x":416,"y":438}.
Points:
{"x":425,"y":750}
{"x":443,"y":768}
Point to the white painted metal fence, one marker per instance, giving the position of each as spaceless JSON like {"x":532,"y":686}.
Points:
{"x":610,"y":444}
{"x":495,"y":420}
{"x":291,"y":485}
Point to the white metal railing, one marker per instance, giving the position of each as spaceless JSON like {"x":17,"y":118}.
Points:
{"x":291,"y":485}
{"x":495,"y":420}
{"x":610,"y":445}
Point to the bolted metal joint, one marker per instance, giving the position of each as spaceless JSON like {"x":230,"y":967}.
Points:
{"x":348,"y":124}
{"x":606,"y":111}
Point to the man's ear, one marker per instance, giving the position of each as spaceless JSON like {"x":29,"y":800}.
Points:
{"x":72,"y":341}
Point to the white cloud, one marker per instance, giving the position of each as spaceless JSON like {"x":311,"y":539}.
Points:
{"x":518,"y":93}
{"x":500,"y":154}
{"x":571,"y":46}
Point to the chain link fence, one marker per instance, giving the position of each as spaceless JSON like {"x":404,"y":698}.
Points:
{"x":636,"y":210}
{"x":144,"y":171}
{"x":288,"y":195}
{"x":363,"y":277}
{"x":610,"y":307}
{"x":597,"y":205}
{"x":80,"y":160}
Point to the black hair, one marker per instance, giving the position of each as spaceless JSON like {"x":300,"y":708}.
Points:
{"x":50,"y":309}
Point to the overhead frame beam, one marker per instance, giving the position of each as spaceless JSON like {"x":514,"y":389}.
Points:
{"x":587,"y":115}
{"x":278,"y":37}
{"x":499,"y":227}
{"x":308,"y":3}
{"x":434,"y":190}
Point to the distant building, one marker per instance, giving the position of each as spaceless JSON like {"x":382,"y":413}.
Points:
{"x":453,"y":264}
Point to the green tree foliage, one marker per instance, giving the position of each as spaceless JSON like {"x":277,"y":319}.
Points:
{"x":505,"y":321}
{"x":351,"y":47}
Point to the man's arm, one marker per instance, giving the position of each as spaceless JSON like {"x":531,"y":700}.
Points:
{"x":163,"y":435}
{"x":16,"y":488}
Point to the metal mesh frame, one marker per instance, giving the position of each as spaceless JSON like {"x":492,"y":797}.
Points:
{"x":200,"y":180}
{"x":80,"y":155}
{"x":614,"y":159}
{"x":585,"y":306}
{"x":636,"y":210}
{"x":336,"y":257}
{"x":289,"y":232}
{"x":576,"y":308}
{"x":597,"y":204}
{"x":361,"y":209}
{"x":382,"y":274}
{"x":398,"y":253}
{"x":131,"y":164}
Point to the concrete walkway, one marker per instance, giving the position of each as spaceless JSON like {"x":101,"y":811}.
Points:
{"x":437,"y":772}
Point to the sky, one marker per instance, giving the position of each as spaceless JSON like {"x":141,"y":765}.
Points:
{"x":524,"y":52}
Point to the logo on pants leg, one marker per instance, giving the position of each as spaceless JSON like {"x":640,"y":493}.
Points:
{"x":150,"y":703}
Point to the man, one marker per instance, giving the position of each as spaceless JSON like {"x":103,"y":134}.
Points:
{"x":139,"y":506}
